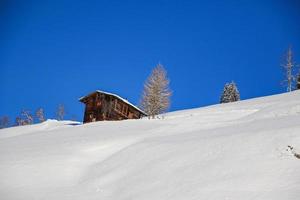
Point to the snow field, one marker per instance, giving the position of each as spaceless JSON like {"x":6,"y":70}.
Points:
{"x":229,"y":151}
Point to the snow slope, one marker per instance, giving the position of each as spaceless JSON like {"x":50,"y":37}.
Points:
{"x":230,"y":151}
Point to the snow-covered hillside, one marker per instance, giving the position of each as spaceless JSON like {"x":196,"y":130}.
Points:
{"x":230,"y":151}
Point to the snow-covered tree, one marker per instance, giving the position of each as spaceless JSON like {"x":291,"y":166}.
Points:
{"x":60,"y":112}
{"x":289,"y":68}
{"x":230,"y":93}
{"x":40,"y":114}
{"x":156,"y":95}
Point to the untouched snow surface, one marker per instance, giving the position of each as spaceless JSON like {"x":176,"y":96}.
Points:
{"x":230,"y":151}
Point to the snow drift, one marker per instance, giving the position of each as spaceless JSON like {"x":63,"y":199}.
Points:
{"x":229,"y":151}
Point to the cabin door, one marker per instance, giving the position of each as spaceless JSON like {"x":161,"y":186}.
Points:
{"x":92,"y":117}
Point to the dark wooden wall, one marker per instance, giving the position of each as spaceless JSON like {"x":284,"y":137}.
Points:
{"x":99,"y":107}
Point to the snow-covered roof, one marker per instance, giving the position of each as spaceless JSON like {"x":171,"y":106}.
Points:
{"x":115,"y":95}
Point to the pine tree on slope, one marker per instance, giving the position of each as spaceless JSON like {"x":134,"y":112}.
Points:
{"x":230,"y":93}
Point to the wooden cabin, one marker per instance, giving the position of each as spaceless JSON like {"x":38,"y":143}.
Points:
{"x":100,"y":106}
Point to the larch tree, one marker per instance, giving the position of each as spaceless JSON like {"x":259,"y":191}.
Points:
{"x":60,"y":112}
{"x":27,"y":117}
{"x":230,"y":93}
{"x":289,"y":68}
{"x":156,"y":94}
{"x":40,"y":114}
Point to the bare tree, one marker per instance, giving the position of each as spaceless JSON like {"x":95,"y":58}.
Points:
{"x":289,"y":68}
{"x":40,"y":114}
{"x":27,"y":117}
{"x":156,"y":95}
{"x":60,"y":112}
{"x":19,"y":121}
{"x":4,"y":122}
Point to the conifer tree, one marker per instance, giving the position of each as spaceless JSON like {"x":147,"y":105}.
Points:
{"x":156,"y":95}
{"x":230,"y":93}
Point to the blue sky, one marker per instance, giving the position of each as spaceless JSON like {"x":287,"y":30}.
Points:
{"x":54,"y":52}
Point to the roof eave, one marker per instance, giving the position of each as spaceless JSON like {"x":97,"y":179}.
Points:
{"x":117,"y":96}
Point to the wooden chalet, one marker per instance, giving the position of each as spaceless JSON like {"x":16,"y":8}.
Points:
{"x":100,"y":106}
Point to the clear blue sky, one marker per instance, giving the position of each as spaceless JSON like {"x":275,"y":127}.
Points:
{"x":56,"y":51}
